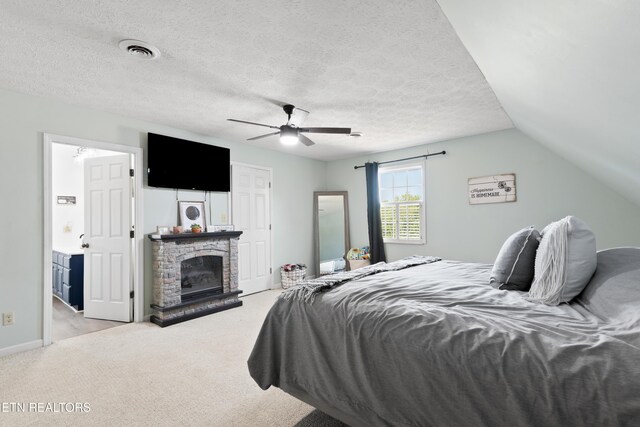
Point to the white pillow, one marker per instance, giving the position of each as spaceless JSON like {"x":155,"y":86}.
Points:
{"x":565,"y":261}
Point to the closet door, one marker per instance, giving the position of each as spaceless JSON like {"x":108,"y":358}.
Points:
{"x":251,"y":213}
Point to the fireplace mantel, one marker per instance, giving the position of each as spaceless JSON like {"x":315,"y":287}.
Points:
{"x":214,"y":235}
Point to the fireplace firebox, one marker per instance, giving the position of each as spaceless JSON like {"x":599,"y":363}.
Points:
{"x":200,"y":276}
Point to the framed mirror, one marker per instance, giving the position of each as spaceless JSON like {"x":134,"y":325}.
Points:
{"x":331,"y":228}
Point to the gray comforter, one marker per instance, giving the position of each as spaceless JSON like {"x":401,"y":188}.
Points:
{"x":435,"y":345}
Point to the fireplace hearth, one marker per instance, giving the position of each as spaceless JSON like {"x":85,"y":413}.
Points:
{"x":194,"y":275}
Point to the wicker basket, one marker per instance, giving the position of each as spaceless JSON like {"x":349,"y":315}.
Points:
{"x":355,"y":264}
{"x":290,"y":278}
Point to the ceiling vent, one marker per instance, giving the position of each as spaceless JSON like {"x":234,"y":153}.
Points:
{"x":139,"y":49}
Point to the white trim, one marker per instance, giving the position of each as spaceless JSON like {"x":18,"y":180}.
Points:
{"x":47,"y":299}
{"x":138,"y":278}
{"x":249,"y":165}
{"x":230,"y":208}
{"x":404,"y":242}
{"x":406,"y":165}
{"x":20,"y":348}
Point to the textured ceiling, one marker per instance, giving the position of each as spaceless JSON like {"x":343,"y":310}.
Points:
{"x":567,"y":73}
{"x":395,"y":71}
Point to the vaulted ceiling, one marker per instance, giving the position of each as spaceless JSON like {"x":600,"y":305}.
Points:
{"x":568,"y":74}
{"x":403,"y":73}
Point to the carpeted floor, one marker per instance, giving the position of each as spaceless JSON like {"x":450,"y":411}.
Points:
{"x":192,"y":373}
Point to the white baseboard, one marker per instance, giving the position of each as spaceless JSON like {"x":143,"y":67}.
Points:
{"x":20,"y":348}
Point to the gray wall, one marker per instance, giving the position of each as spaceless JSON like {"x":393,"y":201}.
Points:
{"x":548,"y":188}
{"x":24,"y":118}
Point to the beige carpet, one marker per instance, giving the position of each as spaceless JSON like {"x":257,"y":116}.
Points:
{"x":193,"y":373}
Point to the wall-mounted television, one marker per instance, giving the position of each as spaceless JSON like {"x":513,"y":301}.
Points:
{"x":178,"y":163}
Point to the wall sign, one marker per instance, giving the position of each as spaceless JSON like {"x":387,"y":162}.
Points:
{"x":492,"y":189}
{"x":66,"y":200}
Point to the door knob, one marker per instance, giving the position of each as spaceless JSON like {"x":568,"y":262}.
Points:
{"x":85,"y":245}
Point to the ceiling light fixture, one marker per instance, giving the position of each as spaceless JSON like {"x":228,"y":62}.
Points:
{"x":288,"y":135}
{"x":139,"y":49}
{"x":83,"y":153}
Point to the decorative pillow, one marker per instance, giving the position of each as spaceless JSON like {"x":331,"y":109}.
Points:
{"x":565,"y":261}
{"x":514,"y":266}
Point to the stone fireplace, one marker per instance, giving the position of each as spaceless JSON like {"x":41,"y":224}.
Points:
{"x":194,"y":274}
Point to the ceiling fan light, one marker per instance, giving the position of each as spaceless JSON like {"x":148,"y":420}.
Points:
{"x":288,"y":135}
{"x":289,"y":139}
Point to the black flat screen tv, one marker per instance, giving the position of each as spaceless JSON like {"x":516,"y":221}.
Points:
{"x":178,"y":163}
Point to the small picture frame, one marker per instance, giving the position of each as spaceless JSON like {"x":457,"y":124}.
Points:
{"x":163,"y":229}
{"x":192,"y":213}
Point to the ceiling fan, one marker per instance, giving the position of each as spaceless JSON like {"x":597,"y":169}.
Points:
{"x":291,"y":132}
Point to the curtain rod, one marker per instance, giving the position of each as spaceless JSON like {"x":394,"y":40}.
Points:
{"x":408,"y":158}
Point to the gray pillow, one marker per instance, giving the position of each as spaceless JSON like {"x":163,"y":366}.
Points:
{"x":614,"y":290}
{"x":565,"y":261}
{"x":514,"y":266}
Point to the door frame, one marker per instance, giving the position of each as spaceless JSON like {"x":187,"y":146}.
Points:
{"x":230,"y":210}
{"x":137,"y":252}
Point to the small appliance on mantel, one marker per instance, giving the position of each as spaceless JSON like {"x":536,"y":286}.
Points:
{"x":194,"y":274}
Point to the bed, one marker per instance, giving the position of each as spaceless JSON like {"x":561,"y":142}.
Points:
{"x":436,"y":345}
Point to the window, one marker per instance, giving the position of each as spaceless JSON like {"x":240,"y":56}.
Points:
{"x":402,"y":203}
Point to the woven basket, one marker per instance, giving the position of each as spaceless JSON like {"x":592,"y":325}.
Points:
{"x":355,"y":264}
{"x":290,"y":278}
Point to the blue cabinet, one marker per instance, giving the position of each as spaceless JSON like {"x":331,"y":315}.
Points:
{"x":68,"y":278}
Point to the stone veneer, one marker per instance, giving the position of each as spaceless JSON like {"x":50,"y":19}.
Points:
{"x":168,"y":253}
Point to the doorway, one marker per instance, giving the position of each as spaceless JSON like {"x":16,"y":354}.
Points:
{"x":92,"y":201}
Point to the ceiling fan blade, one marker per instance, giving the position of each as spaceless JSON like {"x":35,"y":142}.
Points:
{"x":253,"y":123}
{"x":298,"y":116}
{"x":263,"y":136}
{"x":306,"y":141}
{"x":344,"y":131}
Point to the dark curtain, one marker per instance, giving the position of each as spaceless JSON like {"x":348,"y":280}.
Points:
{"x":376,"y":244}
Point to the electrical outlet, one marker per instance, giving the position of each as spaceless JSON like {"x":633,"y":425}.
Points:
{"x":7,"y":319}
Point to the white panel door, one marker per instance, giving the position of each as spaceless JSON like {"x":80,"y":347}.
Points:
{"x":251,"y":212}
{"x":107,"y":258}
